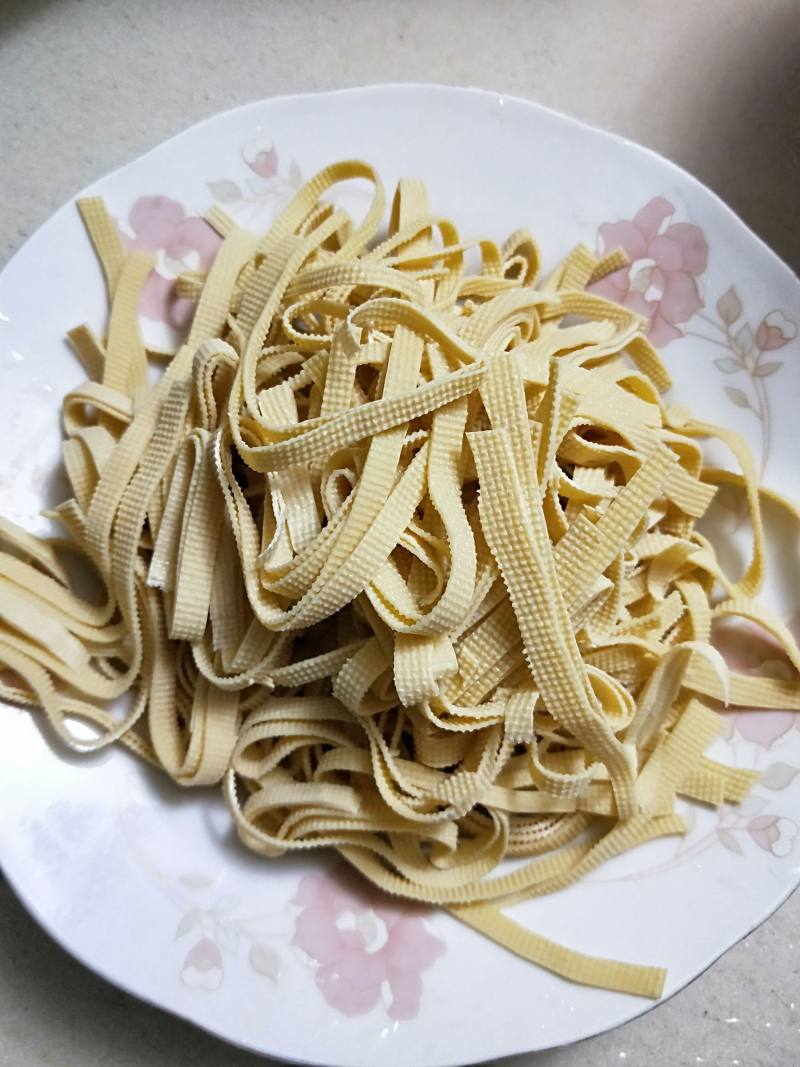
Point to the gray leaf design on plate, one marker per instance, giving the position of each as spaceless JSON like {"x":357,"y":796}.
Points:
{"x":196,"y":881}
{"x":226,"y":904}
{"x":265,"y":960}
{"x":225,"y":191}
{"x":728,"y":365}
{"x":729,"y":306}
{"x":779,"y":775}
{"x":191,"y":919}
{"x":737,"y":397}
{"x":727,"y":840}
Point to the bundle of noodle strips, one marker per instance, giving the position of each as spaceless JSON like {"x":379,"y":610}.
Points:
{"x":404,"y":556}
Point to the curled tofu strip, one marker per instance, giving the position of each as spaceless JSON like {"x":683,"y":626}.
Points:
{"x":400,"y":553}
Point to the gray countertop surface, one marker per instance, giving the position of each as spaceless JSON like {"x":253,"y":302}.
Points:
{"x":87,"y":85}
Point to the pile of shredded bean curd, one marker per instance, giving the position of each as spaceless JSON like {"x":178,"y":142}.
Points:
{"x":403,"y":557}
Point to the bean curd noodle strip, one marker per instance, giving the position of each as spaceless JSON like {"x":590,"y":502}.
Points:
{"x":401,"y":555}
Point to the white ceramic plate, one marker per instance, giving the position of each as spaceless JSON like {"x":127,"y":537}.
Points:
{"x":145,"y":883}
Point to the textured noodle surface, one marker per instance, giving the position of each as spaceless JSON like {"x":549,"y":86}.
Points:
{"x":400,"y":551}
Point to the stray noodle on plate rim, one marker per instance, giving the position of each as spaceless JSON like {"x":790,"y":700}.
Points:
{"x":402,"y":554}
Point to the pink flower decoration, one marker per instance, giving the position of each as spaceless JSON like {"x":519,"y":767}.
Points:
{"x":153,"y":219}
{"x":361,"y":941}
{"x":775,"y":331}
{"x":750,"y":650}
{"x":161,"y":225}
{"x":158,"y":302}
{"x":666,"y":261}
{"x":202,"y":968}
{"x":261,"y":156}
{"x":773,"y":833}
{"x":763,"y":727}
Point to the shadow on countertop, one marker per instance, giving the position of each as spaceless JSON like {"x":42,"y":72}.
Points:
{"x":14,"y":14}
{"x":743,"y":139}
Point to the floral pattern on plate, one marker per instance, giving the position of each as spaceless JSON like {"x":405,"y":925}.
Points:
{"x":664,"y":283}
{"x":217,"y":932}
{"x":367,"y":947}
{"x":179,"y":242}
{"x":263,"y":188}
